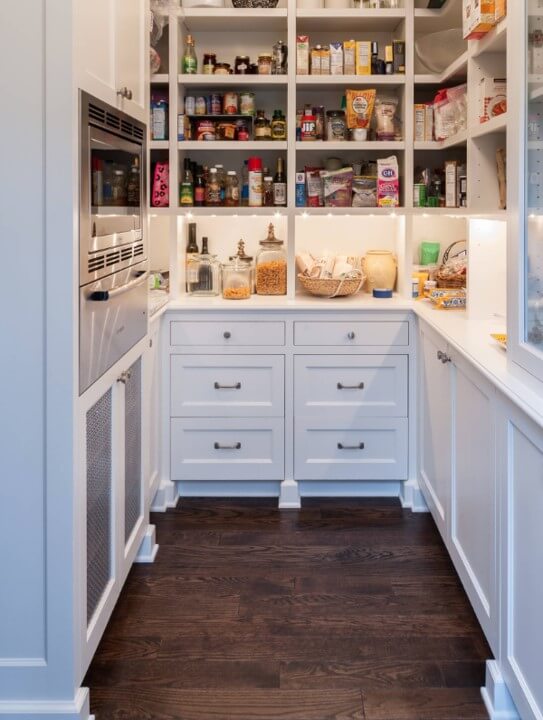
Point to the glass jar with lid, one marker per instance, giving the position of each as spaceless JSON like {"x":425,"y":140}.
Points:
{"x":265,"y":64}
{"x":236,"y":280}
{"x":271,"y":266}
{"x":242,"y":256}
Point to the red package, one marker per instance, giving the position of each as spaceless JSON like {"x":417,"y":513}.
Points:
{"x":160,"y":196}
{"x":314,"y":187}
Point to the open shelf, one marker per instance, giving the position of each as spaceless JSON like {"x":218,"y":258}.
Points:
{"x":159,"y":144}
{"x":252,"y":145}
{"x":456,"y":71}
{"x":494,"y":41}
{"x":234,"y":19}
{"x":160,"y":79}
{"x":491,"y":127}
{"x":231,"y":80}
{"x":350,"y":80}
{"x":232,"y":211}
{"x":348,"y":20}
{"x":450,"y":15}
{"x":457,"y":140}
{"x":320,"y":145}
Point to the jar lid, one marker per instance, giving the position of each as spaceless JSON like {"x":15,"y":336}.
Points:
{"x":271,"y":240}
{"x":265,"y":55}
{"x":335,"y":112}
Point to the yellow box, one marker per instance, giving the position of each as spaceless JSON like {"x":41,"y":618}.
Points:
{"x":363,"y":57}
{"x":501,"y":10}
{"x":479,"y":16}
{"x":349,"y":57}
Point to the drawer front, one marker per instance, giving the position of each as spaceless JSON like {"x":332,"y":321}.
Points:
{"x":353,"y":334}
{"x":373,"y":449}
{"x":348,"y":387}
{"x":227,"y":385}
{"x":227,"y":334}
{"x":238,"y":449}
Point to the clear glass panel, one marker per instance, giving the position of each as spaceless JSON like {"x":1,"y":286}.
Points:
{"x":533,"y":320}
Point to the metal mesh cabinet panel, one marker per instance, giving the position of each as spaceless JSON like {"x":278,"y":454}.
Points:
{"x":99,"y":492}
{"x":132,"y":492}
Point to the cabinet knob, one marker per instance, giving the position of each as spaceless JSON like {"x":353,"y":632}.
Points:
{"x":351,"y":335}
{"x":124,"y":376}
{"x":125,"y":92}
{"x":227,"y":335}
{"x":443,"y":357}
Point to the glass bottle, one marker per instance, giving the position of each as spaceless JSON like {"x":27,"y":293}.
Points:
{"x":245,"y":184}
{"x":186,"y":194}
{"x":280,"y":185}
{"x":213,"y":189}
{"x":189,"y":62}
{"x":207,"y":271}
{"x":262,"y":126}
{"x":271,"y":266}
{"x":199,"y":188}
{"x":191,"y":259}
{"x":278,"y":126}
{"x":221,"y":175}
{"x":232,"y":189}
{"x":267,"y":199}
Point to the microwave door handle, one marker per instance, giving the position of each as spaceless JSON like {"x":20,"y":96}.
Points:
{"x":105,"y":295}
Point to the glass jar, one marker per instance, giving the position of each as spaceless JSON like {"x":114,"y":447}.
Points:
{"x":247,"y":260}
{"x":241,"y":64}
{"x":262,"y":126}
{"x":336,"y":127}
{"x":267,"y":192}
{"x":206,"y":271}
{"x":278,"y":126}
{"x":210,"y":61}
{"x":271,"y":266}
{"x":265,"y":64}
{"x":232,"y":189}
{"x":236,"y":280}
{"x":222,"y":69}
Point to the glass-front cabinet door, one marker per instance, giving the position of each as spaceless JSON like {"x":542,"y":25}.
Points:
{"x":525,"y":197}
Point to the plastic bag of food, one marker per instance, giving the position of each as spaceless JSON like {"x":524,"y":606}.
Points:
{"x":429,"y":252}
{"x":314,"y":187}
{"x":385,"y":117}
{"x":338,"y":187}
{"x":360,"y":105}
{"x":364,"y":191}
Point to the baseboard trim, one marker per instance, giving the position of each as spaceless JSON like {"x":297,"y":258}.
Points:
{"x":496,"y":697}
{"x":148,"y":547}
{"x":76,"y":709}
{"x":412,"y":498}
{"x":166,"y":497}
{"x":348,"y":489}
{"x":289,"y":497}
{"x":226,"y":489}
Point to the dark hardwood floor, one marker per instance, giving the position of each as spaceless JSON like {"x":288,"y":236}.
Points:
{"x":347,"y":610}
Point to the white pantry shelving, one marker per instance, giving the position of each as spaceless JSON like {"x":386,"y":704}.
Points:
{"x":230,"y":32}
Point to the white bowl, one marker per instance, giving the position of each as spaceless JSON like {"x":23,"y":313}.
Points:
{"x":438,"y":50}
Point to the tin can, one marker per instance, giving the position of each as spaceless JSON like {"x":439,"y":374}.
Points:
{"x":247,"y":103}
{"x":230,"y":103}
{"x":205,"y":130}
{"x":200,"y":106}
{"x":190,"y":105}
{"x":181,"y":127}
{"x":215,"y":104}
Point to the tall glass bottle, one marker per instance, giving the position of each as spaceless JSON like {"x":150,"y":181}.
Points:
{"x":186,"y":194}
{"x":189,"y":62}
{"x":191,"y":259}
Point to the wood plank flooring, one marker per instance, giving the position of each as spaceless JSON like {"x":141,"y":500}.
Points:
{"x":345,"y":610}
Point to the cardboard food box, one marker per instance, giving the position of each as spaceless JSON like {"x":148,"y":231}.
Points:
{"x":420,"y":122}
{"x":479,"y":16}
{"x":451,"y":183}
{"x":316,"y":60}
{"x":363,"y":57}
{"x":492,"y":98}
{"x":302,"y":54}
{"x":500,"y":10}
{"x":349,"y":57}
{"x":336,"y":58}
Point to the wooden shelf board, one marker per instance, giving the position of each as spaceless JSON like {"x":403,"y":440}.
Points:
{"x":457,"y":70}
{"x":232,"y":80}
{"x":249,"y":145}
{"x":160,"y":79}
{"x":494,"y":41}
{"x":349,"y":20}
{"x":455,"y":141}
{"x":231,"y":212}
{"x":325,"y":146}
{"x":346,"y":211}
{"x":159,"y":145}
{"x":494,"y":125}
{"x":350,"y":80}
{"x":238,"y":19}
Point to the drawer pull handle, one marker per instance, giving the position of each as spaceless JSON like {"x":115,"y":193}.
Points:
{"x":341,"y":386}
{"x":227,"y":335}
{"x":235,"y":446}
{"x":341,"y":446}
{"x":218,"y":386}
{"x":351,"y":335}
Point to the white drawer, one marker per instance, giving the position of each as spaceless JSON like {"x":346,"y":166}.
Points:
{"x":227,"y":334}
{"x":373,"y":449}
{"x":351,"y":386}
{"x":227,"y":385}
{"x":383,"y":333}
{"x":237,"y":449}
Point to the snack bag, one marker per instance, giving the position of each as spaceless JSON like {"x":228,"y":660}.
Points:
{"x":338,"y":187}
{"x":359,"y":107}
{"x":314,"y":187}
{"x":388,"y":182}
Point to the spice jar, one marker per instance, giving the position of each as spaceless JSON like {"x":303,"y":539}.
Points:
{"x":236,"y":280}
{"x":262,"y":126}
{"x":265,"y":64}
{"x":336,"y":127}
{"x":231,"y":198}
{"x":278,"y":126}
{"x":271,"y":266}
{"x":210,"y":61}
{"x":241,"y":64}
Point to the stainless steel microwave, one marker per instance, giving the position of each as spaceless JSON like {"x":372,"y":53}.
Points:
{"x":112,"y":237}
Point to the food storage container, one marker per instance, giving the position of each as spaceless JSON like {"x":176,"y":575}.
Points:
{"x":236,"y":280}
{"x":271,"y":266}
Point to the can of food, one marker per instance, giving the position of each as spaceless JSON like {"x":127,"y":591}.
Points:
{"x":200,"y":106}
{"x":181,"y":127}
{"x":205,"y":130}
{"x":419,"y":195}
{"x":215,"y":104}
{"x":230,"y":103}
{"x":190,"y":105}
{"x":247,"y":103}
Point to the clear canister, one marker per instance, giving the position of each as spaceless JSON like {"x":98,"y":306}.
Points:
{"x":236,"y":280}
{"x":271,"y":266}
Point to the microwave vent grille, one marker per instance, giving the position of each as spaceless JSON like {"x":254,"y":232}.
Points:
{"x":113,"y":257}
{"x":126,"y":253}
{"x":110,"y":121}
{"x":138,"y":249}
{"x":98,"y":262}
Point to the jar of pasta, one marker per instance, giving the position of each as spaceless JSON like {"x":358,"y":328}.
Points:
{"x":271,"y":266}
{"x":236,"y":280}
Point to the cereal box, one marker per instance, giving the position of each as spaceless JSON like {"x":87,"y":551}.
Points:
{"x":363,"y":57}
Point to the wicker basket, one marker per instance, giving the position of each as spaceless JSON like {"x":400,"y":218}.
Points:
{"x":333,"y":287}
{"x":444,"y":280}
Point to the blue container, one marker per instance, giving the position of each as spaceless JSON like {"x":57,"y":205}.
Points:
{"x":300,"y":189}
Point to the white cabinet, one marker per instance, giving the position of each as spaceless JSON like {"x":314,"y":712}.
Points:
{"x":521,"y":486}
{"x":473,"y":529}
{"x":112,"y":52}
{"x":435,"y":451}
{"x":152,"y":420}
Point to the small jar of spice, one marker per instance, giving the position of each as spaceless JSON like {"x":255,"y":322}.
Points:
{"x":208,"y":66}
{"x":265,"y":64}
